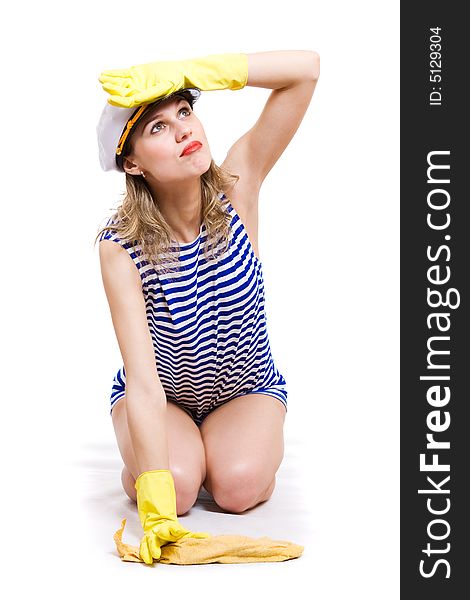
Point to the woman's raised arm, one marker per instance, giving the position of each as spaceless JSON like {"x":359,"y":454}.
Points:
{"x":292,"y":75}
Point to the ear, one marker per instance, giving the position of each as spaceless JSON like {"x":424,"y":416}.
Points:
{"x":130,"y":166}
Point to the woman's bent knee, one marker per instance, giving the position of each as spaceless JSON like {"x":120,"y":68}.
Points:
{"x":186,"y":490}
{"x":241,"y":490}
{"x":128,"y":483}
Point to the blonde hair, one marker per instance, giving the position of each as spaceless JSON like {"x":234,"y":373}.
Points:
{"x":138,"y":219}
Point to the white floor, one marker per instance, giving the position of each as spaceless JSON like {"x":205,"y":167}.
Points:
{"x":340,"y":533}
{"x":281,"y":517}
{"x":284,"y":516}
{"x":336,"y":495}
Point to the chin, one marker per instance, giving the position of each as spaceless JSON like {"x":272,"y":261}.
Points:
{"x":202,"y":165}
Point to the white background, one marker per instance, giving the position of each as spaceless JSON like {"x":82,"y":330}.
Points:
{"x":329,"y":235}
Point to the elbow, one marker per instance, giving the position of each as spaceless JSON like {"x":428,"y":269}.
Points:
{"x":314,"y":67}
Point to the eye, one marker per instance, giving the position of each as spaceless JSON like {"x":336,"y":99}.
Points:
{"x":158,"y":123}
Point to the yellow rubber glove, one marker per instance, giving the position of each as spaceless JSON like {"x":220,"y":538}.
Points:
{"x":156,"y":504}
{"x":144,"y":83}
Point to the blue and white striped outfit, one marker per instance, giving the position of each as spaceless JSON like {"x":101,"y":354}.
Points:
{"x":208,"y":325}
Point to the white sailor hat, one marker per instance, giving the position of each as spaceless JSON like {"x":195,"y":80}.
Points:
{"x":116,"y":123}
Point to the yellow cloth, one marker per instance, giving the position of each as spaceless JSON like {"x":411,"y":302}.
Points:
{"x":216,"y":549}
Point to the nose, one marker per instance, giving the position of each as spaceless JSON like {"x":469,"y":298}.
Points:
{"x":183,"y":132}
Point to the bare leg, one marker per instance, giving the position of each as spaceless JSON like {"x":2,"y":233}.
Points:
{"x":244,"y":447}
{"x":186,"y":454}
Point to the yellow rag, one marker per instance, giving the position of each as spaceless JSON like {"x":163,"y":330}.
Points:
{"x":218,"y":548}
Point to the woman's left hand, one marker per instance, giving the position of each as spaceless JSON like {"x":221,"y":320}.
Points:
{"x":146,"y":83}
{"x":142,"y":83}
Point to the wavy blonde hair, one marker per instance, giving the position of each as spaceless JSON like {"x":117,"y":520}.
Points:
{"x":138,"y":220}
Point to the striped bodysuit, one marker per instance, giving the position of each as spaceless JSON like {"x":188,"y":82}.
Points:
{"x":208,"y":325}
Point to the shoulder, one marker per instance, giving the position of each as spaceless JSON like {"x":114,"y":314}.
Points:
{"x":111,"y":234}
{"x":244,"y":193}
{"x":108,"y":234}
{"x":115,"y":257}
{"x":244,"y":196}
{"x":121,"y":279}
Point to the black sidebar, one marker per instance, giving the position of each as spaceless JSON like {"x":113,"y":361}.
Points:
{"x":435,"y":299}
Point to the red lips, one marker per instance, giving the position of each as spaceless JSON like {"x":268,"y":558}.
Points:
{"x":191,"y":147}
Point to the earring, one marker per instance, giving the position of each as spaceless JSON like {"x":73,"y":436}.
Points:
{"x":143,"y":174}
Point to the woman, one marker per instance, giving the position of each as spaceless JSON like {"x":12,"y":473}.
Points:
{"x":212,"y":411}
